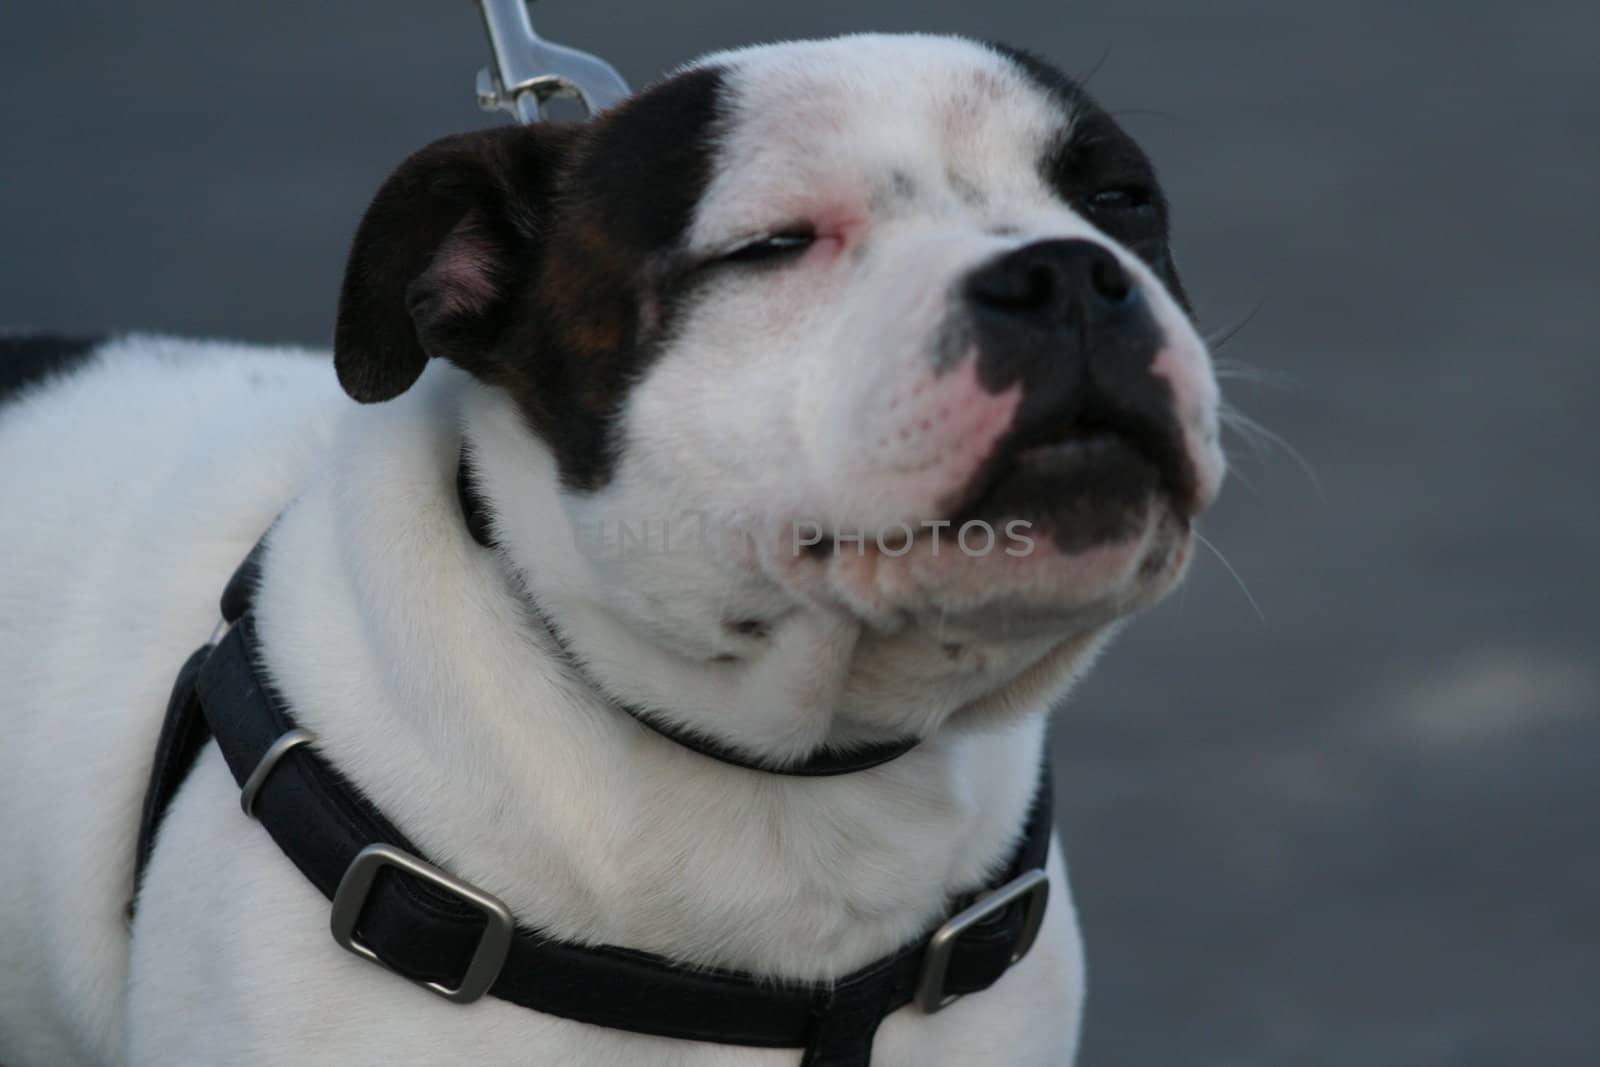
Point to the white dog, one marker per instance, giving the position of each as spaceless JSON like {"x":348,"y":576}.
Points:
{"x":826,"y":399}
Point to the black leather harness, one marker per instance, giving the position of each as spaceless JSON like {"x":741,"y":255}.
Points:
{"x":392,"y":907}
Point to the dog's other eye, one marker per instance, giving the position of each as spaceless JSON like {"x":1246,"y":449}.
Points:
{"x":781,"y":245}
{"x":1122,"y":198}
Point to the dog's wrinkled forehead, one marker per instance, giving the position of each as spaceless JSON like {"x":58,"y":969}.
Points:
{"x":880,"y":119}
{"x":871,"y":127}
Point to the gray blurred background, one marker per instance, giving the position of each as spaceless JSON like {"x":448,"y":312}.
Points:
{"x":1355,"y":828}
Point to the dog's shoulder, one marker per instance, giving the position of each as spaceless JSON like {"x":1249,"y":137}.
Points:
{"x":36,"y":363}
{"x":32,"y":359}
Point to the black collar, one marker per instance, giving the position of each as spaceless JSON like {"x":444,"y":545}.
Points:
{"x":822,"y":763}
{"x":395,"y":909}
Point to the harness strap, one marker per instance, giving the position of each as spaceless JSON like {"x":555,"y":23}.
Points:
{"x":184,"y":731}
{"x":183,"y":734}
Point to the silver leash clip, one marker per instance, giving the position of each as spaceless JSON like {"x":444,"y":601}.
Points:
{"x":528,"y":71}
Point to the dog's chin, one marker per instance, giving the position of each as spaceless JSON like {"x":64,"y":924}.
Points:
{"x":1028,"y":567}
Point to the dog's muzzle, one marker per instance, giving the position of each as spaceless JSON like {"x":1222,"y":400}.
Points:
{"x":1066,"y":321}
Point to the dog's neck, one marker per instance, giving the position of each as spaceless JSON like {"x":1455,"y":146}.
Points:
{"x":430,"y":686}
{"x":826,"y":762}
{"x":653,"y":613}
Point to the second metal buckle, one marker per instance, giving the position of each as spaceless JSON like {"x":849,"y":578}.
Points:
{"x":269,"y":759}
{"x":494,"y":944}
{"x":1035,"y":886}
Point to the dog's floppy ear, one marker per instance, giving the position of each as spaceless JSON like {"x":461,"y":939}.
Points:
{"x":439,"y":253}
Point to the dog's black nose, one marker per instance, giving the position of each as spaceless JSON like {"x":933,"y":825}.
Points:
{"x":1069,"y":327}
{"x":1057,"y":280}
{"x":1052,"y":312}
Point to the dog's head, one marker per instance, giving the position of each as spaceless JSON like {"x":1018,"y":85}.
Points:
{"x":883,"y":331}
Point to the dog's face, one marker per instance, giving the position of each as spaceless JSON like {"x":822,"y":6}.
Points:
{"x":884,"y":328}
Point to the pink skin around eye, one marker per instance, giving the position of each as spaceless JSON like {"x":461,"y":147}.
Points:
{"x":837,"y":228}
{"x":825,"y":246}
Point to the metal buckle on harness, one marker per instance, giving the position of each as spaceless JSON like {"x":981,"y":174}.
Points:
{"x":1034,"y":885}
{"x":494,"y":944}
{"x":528,"y":70}
{"x":269,"y":759}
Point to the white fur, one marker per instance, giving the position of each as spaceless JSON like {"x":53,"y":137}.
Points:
{"x":131,"y":490}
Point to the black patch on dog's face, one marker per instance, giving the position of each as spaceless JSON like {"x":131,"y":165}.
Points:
{"x":1103,"y":173}
{"x":26,"y":359}
{"x":604,"y":299}
{"x":545,"y":260}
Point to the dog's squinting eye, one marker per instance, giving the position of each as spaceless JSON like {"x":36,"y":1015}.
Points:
{"x":774,"y":246}
{"x":1122,"y":198}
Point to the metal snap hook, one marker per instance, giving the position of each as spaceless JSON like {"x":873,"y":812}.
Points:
{"x":528,"y":70}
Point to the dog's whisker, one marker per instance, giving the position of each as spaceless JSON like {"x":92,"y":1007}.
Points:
{"x":1223,"y":336}
{"x":1251,"y":431}
{"x":1198,"y":536}
{"x":1246,"y":434}
{"x":1083,"y":80}
{"x":1147,"y":112}
{"x":1236,"y":370}
{"x":1236,"y":473}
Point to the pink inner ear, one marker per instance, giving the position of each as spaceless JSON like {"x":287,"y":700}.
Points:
{"x":462,"y":272}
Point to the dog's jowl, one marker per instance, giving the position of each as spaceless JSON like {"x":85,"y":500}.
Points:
{"x":738,"y":480}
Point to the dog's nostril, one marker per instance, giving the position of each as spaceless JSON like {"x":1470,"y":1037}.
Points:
{"x":1015,"y":285}
{"x":1110,"y":281}
{"x":1041,"y":286}
{"x":1063,"y":279}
